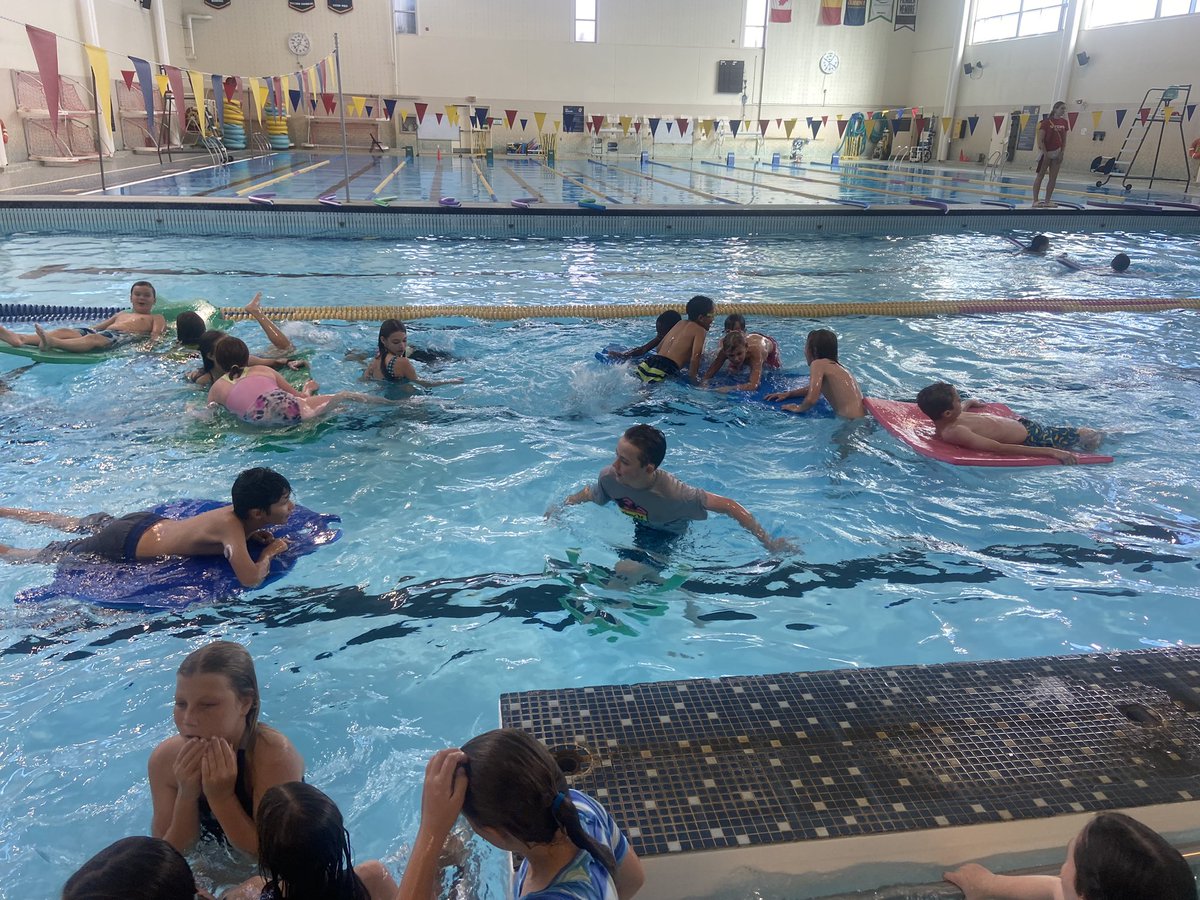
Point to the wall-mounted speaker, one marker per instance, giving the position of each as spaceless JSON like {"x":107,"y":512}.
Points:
{"x":1082,"y":58}
{"x":146,"y":4}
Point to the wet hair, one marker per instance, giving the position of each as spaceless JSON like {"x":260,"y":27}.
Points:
{"x":666,"y":322}
{"x":935,"y":399}
{"x":700,"y":306}
{"x":386,"y":330}
{"x":1120,"y":262}
{"x":1119,"y":858}
{"x":515,"y":786}
{"x":232,"y":355}
{"x":735,"y":322}
{"x":206,"y":345}
{"x":138,"y":284}
{"x":133,"y":868}
{"x":733,"y":341}
{"x":1038,"y":243}
{"x":189,"y":328}
{"x":303,"y":846}
{"x":234,"y":662}
{"x":650,"y":442}
{"x":822,"y":343}
{"x":258,"y":489}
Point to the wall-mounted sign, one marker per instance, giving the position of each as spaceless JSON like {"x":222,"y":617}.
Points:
{"x":217,"y":4}
{"x":302,"y":5}
{"x":341,"y":6}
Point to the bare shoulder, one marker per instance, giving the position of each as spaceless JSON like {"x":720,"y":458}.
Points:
{"x":273,"y":750}
{"x":162,"y":757}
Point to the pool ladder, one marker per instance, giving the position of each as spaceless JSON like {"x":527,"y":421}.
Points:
{"x":994,"y":168}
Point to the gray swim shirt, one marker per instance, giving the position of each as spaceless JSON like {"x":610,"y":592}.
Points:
{"x":668,"y":504}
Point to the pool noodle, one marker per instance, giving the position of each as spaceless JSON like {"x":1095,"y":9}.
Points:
{"x":174,"y":582}
{"x":906,"y":422}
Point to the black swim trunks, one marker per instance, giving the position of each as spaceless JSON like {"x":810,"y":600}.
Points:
{"x":654,"y":369}
{"x":1060,"y":437}
{"x":114,"y":539}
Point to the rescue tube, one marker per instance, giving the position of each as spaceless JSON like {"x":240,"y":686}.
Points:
{"x":906,"y":422}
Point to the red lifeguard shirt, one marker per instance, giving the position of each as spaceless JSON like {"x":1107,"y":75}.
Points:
{"x":1054,"y":133}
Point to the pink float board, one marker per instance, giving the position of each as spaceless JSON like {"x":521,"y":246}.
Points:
{"x":907,"y":422}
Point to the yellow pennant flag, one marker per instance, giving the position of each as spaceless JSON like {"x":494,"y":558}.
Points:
{"x":540,"y":119}
{"x":161,"y":82}
{"x":788,"y":125}
{"x":358,"y":105}
{"x":197,"y":80}
{"x":452,"y":114}
{"x":626,"y":121}
{"x":258,"y":92}
{"x":557,"y":125}
{"x":749,"y":125}
{"x":403,"y":116}
{"x":1168,"y":111}
{"x":1096,"y":114}
{"x":708,"y":126}
{"x":839,"y":117}
{"x":331,"y":79}
{"x":947,"y":121}
{"x":1024,"y":120}
{"x":99,"y":62}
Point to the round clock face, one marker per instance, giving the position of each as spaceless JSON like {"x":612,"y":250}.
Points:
{"x":299,"y":43}
{"x":829,"y":63}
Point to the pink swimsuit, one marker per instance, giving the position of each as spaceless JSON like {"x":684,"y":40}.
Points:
{"x":772,"y":360}
{"x":258,"y":400}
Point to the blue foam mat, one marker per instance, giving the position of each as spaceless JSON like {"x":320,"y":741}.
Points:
{"x":174,"y":582}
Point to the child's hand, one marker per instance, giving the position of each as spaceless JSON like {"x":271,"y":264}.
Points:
{"x":262,"y":536}
{"x":972,"y":404}
{"x":1066,"y":457}
{"x":295,"y":364}
{"x":781,"y":545}
{"x":781,"y":395}
{"x":552,"y":511}
{"x":444,"y":791}
{"x":793,"y":407}
{"x":310,"y":388}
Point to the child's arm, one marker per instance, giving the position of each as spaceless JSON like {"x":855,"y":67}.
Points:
{"x":816,"y":375}
{"x":157,"y":329}
{"x":637,"y":351}
{"x":441,"y":801}
{"x":407,"y":371}
{"x":978,"y":883}
{"x":787,"y":395}
{"x":630,"y":875}
{"x":697,"y":353}
{"x":583,"y":495}
{"x":107,"y":323}
{"x":737,"y":512}
{"x":965,"y":437}
{"x":715,"y":367}
{"x":756,"y":364}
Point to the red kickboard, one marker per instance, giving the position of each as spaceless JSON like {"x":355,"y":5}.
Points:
{"x":909,"y":424}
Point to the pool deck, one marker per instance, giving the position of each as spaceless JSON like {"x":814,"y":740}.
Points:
{"x":816,"y":773}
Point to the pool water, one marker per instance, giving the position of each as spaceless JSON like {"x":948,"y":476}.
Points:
{"x":449,"y":587}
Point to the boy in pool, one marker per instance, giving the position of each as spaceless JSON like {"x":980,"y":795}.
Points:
{"x":660,"y":505}
{"x":739,"y":347}
{"x":826,"y":376}
{"x":662,"y":327}
{"x":997,"y":434}
{"x":113,"y":332}
{"x":683,"y":345}
{"x":261,"y":497}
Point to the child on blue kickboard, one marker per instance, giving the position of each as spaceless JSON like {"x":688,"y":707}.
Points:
{"x":828,"y":378}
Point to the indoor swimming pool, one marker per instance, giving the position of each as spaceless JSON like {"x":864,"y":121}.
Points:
{"x":449,"y":586}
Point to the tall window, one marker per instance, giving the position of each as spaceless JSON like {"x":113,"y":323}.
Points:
{"x":1119,"y":12}
{"x":585,"y":21}
{"x":756,"y":18}
{"x":406,"y":16}
{"x":999,"y":20}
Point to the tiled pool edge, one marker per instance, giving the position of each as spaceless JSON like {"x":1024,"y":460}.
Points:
{"x":812,"y":773}
{"x":287,"y":218}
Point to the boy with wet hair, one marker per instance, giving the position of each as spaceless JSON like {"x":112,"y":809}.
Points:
{"x":261,"y":497}
{"x":662,"y":327}
{"x":826,"y":376}
{"x":998,"y":434}
{"x":660,"y":505}
{"x":683,"y":345}
{"x":115,"y":331}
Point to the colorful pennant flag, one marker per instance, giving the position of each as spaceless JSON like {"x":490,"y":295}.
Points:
{"x":1143,"y":113}
{"x":218,"y":100}
{"x":654,"y":121}
{"x":175,"y":79}
{"x":841,"y":126}
{"x":524,"y":124}
{"x":481,"y":115}
{"x":146,"y":80}
{"x":451,"y":114}
{"x":1120,"y":116}
{"x":1096,"y":115}
{"x":1024,"y":120}
{"x":831,"y":12}
{"x":625,"y":121}
{"x":906,"y":15}
{"x":788,"y":125}
{"x":683,"y":126}
{"x":734,"y":126}
{"x":998,"y":121}
{"x":815,"y":125}
{"x":972,"y":121}
{"x":1072,"y":117}
{"x":539,"y":119}
{"x":763,"y":125}
{"x":389,"y":107}
{"x":421,"y":107}
{"x":597,"y":123}
{"x":45,"y":53}
{"x":98,"y":60}
{"x":127,"y":77}
{"x":1191,"y":110}
{"x":511,"y":116}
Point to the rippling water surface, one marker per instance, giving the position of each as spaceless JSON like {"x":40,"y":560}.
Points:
{"x":449,"y":587}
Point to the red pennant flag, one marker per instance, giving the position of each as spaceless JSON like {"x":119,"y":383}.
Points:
{"x":831,"y":12}
{"x":128,"y":74}
{"x":824,"y":120}
{"x":1142,"y":114}
{"x":1071,"y":117}
{"x":842,"y":127}
{"x":230,"y":87}
{"x":421,"y":107}
{"x":999,"y":122}
{"x":175,"y":80}
{"x":45,"y":52}
{"x":637,"y":127}
{"x":329,"y":103}
{"x":279,"y":94}
{"x":597,"y":121}
{"x":683,"y":126}
{"x":779,"y":124}
{"x":763,"y":125}
{"x":511,"y":115}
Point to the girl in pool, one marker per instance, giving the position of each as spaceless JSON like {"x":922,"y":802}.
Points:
{"x":210,"y":778}
{"x":304,"y":852}
{"x":390,"y":363}
{"x":190,"y":328}
{"x":516,"y":798}
{"x":1114,"y":857}
{"x":135,"y":868}
{"x":260,"y":396}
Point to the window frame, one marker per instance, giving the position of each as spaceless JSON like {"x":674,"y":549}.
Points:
{"x":1194,"y":9}
{"x":397,"y":13}
{"x":760,"y":28}
{"x":1019,"y":15}
{"x":595,"y":20}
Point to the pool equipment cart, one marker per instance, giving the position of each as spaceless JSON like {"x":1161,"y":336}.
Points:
{"x":1168,"y":101}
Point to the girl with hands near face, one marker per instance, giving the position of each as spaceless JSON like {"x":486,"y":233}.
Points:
{"x":208,"y":779}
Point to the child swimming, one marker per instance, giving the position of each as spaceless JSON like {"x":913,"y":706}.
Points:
{"x":391,"y":363}
{"x":683,"y":344}
{"x":115,"y":331}
{"x":827,"y":377}
{"x":662,"y":327}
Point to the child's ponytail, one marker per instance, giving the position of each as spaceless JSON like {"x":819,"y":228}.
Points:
{"x":232,"y":355}
{"x":565,"y":814}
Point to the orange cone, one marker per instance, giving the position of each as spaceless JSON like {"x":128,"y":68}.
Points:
{"x":439,"y":154}
{"x":962,"y":157}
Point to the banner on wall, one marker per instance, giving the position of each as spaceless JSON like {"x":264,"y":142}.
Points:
{"x":216,"y":4}
{"x":831,"y":12}
{"x":856,"y":12}
{"x":302,"y":5}
{"x":906,"y":15}
{"x":341,"y":6}
{"x":781,"y":11}
{"x":881,"y":9}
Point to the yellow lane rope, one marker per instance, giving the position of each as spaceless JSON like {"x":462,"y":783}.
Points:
{"x":573,"y":181}
{"x":529,"y":188}
{"x":258,"y":187}
{"x":891,"y":308}
{"x":887,"y":179}
{"x":487,"y":187}
{"x":1025,"y":188}
{"x":757,"y":184}
{"x":379,"y":187}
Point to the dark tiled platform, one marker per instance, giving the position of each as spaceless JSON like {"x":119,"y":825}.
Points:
{"x":752,"y":761}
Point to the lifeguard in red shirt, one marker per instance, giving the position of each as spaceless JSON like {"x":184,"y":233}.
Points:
{"x":1052,"y":142}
